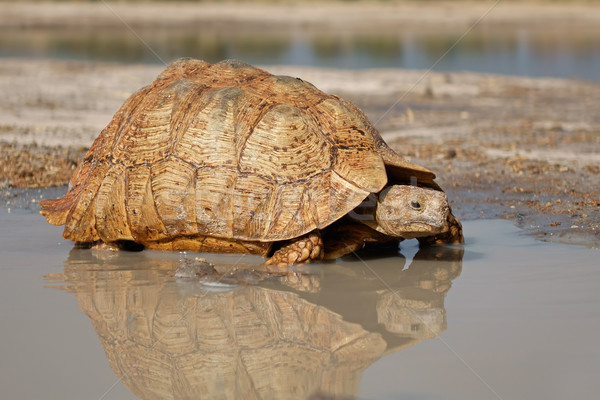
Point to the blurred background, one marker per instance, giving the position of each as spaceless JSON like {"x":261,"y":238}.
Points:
{"x":527,"y":38}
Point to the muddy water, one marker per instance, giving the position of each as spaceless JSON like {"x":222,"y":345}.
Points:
{"x":507,"y":317}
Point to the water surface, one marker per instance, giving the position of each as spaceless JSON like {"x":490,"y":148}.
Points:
{"x":507,"y":317}
{"x":556,"y":51}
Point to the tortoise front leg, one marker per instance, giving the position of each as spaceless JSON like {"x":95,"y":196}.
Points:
{"x":347,"y":237}
{"x":301,"y":250}
{"x":452,"y":235}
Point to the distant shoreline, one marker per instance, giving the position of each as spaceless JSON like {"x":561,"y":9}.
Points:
{"x":331,"y":14}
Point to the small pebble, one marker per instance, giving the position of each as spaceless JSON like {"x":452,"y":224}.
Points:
{"x":450,"y":153}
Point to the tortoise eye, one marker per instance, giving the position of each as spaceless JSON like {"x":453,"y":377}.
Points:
{"x":415,"y":204}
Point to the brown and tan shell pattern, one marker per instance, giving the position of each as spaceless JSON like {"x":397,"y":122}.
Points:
{"x":224,"y":150}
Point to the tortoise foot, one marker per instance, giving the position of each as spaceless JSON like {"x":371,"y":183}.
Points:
{"x":302,"y":250}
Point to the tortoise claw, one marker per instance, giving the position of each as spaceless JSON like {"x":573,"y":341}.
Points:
{"x":453,"y":234}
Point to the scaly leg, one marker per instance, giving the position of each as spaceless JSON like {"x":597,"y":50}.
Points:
{"x":345,"y":238}
{"x":301,"y":250}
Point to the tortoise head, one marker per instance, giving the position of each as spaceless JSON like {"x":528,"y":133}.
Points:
{"x":410,"y":211}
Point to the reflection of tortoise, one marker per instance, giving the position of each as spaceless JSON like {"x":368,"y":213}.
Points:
{"x":229,"y":158}
{"x":167,"y":338}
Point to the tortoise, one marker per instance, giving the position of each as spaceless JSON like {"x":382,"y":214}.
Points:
{"x":229,"y":158}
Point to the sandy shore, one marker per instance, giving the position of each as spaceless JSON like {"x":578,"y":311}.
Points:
{"x":333,"y":14}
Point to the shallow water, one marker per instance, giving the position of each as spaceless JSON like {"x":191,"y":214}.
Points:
{"x":556,"y":51}
{"x":510,"y":317}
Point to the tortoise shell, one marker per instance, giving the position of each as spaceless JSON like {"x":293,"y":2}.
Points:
{"x":226,"y":150}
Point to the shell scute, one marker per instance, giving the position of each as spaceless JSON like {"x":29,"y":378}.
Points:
{"x":145,"y":223}
{"x":110,"y":211}
{"x":235,"y":72}
{"x":293,"y":211}
{"x":293,"y":91}
{"x":148,"y":138}
{"x":253,"y":200}
{"x":210,"y":138}
{"x":357,"y":159}
{"x":285,"y":138}
{"x":173,"y":185}
{"x":333,"y":197}
{"x":81,"y":221}
{"x":102,"y":148}
{"x":214,"y":200}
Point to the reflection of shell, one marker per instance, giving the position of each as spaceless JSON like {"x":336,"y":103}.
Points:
{"x":173,"y":339}
{"x":229,"y":336}
{"x":250,"y":342}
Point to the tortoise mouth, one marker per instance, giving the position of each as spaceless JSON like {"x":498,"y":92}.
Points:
{"x":420,"y":229}
{"x":416,"y":229}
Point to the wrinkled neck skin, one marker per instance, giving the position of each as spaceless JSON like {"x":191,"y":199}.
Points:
{"x":405,"y":211}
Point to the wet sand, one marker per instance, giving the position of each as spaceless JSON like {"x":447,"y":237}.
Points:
{"x":518,"y":148}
